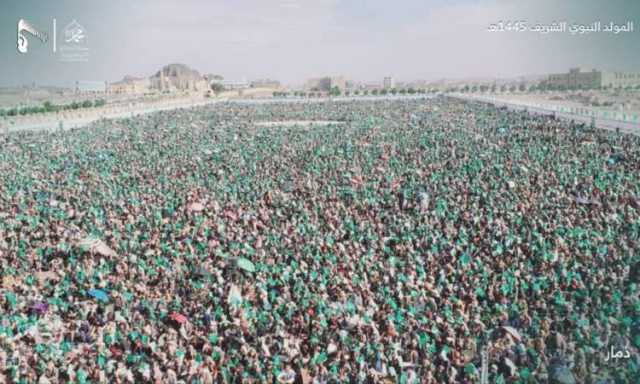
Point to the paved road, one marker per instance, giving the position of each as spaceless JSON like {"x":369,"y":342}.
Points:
{"x":85,"y":117}
{"x":602,"y":123}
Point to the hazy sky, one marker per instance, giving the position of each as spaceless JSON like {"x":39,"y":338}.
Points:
{"x":292,"y":40}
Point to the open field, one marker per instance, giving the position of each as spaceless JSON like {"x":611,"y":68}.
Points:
{"x":122,"y":109}
{"x":208,"y":243}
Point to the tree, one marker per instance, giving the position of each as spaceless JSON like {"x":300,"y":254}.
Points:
{"x":347,"y":93}
{"x":335,"y":91}
{"x":512,"y":88}
{"x":484,"y":88}
{"x":493,"y":88}
{"x":393,"y":91}
{"x":218,"y":88}
{"x":383,"y":92}
{"x":365,"y":92}
{"x":474,"y":89}
{"x":356,"y":92}
{"x":87,"y":104}
{"x":411,"y":91}
{"x":503,"y":88}
{"x":522,"y":87}
{"x":374,"y":92}
{"x":402,"y":91}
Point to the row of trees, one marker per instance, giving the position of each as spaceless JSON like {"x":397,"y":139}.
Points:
{"x":335,"y":91}
{"x":541,"y":87}
{"x":47,"y":106}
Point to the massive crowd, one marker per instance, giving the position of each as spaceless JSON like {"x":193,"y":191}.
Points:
{"x":408,"y":241}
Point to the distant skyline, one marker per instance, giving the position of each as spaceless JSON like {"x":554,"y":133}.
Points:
{"x":293,"y":40}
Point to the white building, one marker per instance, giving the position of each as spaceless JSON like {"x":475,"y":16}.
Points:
{"x":620,"y":79}
{"x":231,"y":85}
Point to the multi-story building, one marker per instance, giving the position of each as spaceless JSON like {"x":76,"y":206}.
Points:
{"x":326,"y":83}
{"x":620,"y":79}
{"x":576,"y":79}
{"x":388,"y":83}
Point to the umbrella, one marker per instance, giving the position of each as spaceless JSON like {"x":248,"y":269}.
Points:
{"x":97,"y":246}
{"x":245,"y":264}
{"x":98,"y":294}
{"x":178,"y":317}
{"x":40,"y":307}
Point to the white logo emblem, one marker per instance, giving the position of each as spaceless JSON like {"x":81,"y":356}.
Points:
{"x":74,"y":33}
{"x":25,"y":26}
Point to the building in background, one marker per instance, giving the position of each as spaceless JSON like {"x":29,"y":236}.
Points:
{"x":233,"y":85}
{"x":178,"y":77}
{"x":388,"y":83}
{"x":575,"y":79}
{"x":265,"y":83}
{"x":578,"y":79}
{"x":326,"y":83}
{"x":338,"y":82}
{"x":621,"y":79}
{"x":129,"y":85}
{"x":89,"y":87}
{"x":312,"y":84}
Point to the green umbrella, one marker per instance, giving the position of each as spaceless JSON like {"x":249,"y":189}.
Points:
{"x":245,"y":264}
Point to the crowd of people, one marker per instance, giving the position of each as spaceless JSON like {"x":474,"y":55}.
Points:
{"x":408,"y":241}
